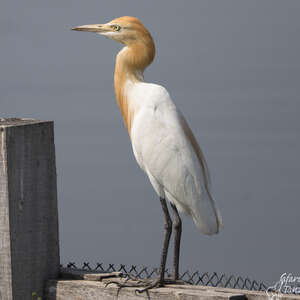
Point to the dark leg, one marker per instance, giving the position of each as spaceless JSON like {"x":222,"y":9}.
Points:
{"x":168,"y":230}
{"x":178,"y":230}
{"x":161,"y":277}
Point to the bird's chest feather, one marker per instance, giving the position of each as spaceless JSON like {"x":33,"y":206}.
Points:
{"x":148,"y":101}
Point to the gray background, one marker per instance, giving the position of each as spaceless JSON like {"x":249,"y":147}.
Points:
{"x":233,"y":69}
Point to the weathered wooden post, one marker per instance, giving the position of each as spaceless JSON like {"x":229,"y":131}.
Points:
{"x":29,"y":245}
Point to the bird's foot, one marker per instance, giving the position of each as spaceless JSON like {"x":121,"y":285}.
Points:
{"x":159,"y":283}
{"x":143,"y":285}
{"x":131,"y":281}
{"x":151,"y":284}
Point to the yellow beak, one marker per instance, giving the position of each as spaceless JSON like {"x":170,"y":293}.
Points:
{"x":100,"y":28}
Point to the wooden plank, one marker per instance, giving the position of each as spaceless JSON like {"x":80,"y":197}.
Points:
{"x":67,"y":273}
{"x":97,"y":290}
{"x":29,"y":248}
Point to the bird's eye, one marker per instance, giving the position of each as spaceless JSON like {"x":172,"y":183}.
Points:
{"x":115,"y":27}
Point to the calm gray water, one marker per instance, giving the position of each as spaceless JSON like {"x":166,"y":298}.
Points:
{"x":233,"y":69}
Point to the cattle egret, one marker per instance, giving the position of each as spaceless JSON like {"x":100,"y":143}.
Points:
{"x":162,"y":141}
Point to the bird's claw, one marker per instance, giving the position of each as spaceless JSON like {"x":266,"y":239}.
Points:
{"x":160,"y":283}
{"x":156,"y":284}
{"x":140,"y":285}
{"x":130,"y":277}
{"x":143,"y":286}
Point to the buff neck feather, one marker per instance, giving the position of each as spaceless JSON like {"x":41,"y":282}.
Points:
{"x":131,"y":62}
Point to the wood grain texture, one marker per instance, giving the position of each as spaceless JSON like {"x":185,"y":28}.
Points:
{"x":68,"y":289}
{"x":67,"y":273}
{"x":93,"y":290}
{"x":29,"y":248}
{"x":5,"y":253}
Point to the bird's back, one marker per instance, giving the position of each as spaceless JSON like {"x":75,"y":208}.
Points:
{"x":167,"y":151}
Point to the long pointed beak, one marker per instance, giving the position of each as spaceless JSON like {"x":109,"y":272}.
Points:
{"x":93,"y":28}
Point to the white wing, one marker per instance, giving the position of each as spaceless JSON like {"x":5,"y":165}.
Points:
{"x":166,"y":149}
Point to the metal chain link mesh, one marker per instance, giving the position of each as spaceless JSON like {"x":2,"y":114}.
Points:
{"x":195,"y":278}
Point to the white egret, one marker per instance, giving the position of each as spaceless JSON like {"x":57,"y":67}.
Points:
{"x":162,"y":141}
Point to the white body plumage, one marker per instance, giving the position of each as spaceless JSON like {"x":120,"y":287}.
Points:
{"x":163,"y":150}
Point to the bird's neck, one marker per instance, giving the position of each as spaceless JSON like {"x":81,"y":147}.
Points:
{"x":131,"y":62}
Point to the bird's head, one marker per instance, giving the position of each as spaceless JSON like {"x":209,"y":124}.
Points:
{"x":125,"y":30}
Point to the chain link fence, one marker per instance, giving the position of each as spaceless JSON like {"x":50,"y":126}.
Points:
{"x":195,"y":278}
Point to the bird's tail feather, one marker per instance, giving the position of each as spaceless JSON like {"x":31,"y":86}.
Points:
{"x":207,"y":216}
